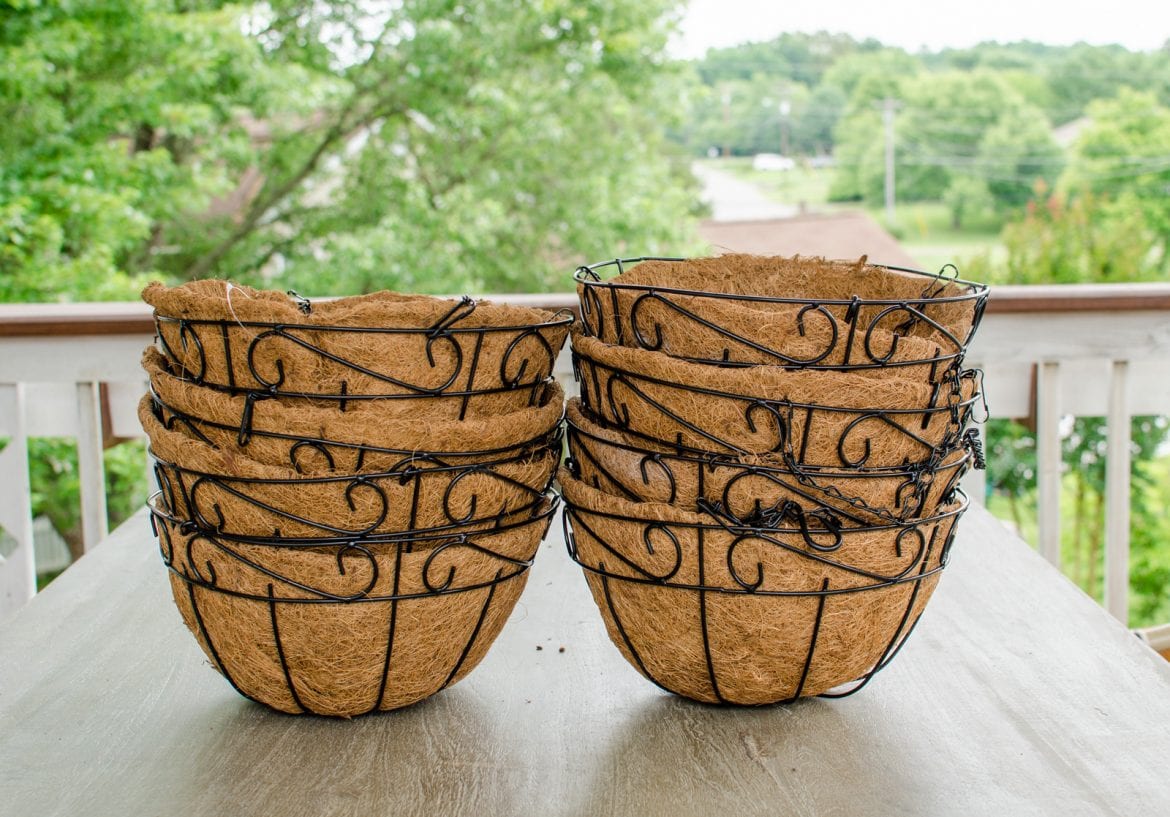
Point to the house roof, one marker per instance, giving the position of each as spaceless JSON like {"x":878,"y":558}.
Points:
{"x":849,"y":234}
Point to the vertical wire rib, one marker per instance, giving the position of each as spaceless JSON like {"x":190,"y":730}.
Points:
{"x":812,"y":643}
{"x":487,"y":603}
{"x":390,"y":627}
{"x":471,"y":374}
{"x":219,"y":664}
{"x":621,"y":628}
{"x":280,"y":652}
{"x":703,"y":625}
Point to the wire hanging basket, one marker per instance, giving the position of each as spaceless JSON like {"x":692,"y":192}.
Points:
{"x":384,"y":346}
{"x":794,"y":312}
{"x":742,"y":614}
{"x":352,"y":626}
{"x":741,"y":411}
{"x":751,"y":489}
{"x":367,"y":437}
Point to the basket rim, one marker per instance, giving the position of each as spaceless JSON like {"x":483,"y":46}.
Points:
{"x":771,"y":402}
{"x":345,"y":397}
{"x":547,"y":437}
{"x":565,"y":319}
{"x":544,"y":507}
{"x":324,"y":597}
{"x":587,"y":275}
{"x":722,"y":459}
{"x":957,"y":508}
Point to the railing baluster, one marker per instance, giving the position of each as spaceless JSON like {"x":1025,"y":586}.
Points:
{"x":18,"y":573}
{"x":94,"y":522}
{"x":1048,"y":459}
{"x":1117,"y":495}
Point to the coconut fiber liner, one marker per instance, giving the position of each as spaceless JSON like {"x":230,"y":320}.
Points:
{"x":368,"y":436}
{"x":350,"y":629}
{"x":745,"y":615}
{"x":228,"y":492}
{"x":801,"y":312}
{"x":384,"y":344}
{"x":852,"y":419}
{"x":753,"y":489}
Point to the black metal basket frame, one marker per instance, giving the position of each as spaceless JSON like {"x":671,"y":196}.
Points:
{"x":445,"y":330}
{"x":913,"y":310}
{"x":511,"y":569}
{"x":571,"y":518}
{"x":959,"y":408}
{"x":433,"y":541}
{"x":190,"y":481}
{"x":812,"y":483}
{"x":524,"y":449}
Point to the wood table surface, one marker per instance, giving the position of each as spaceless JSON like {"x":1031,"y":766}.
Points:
{"x":1016,"y":695}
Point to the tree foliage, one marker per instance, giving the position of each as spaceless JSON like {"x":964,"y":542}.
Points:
{"x":950,"y":125}
{"x":335,"y":147}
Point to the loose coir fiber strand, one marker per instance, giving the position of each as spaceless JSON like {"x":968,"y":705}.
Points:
{"x":278,"y":427}
{"x":863,"y":418}
{"x":230,"y":492}
{"x":643,"y":471}
{"x":932,"y":319}
{"x":733,"y":642}
{"x":237,"y":338}
{"x":416,"y":623}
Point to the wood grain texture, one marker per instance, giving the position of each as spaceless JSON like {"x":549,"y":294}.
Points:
{"x":1017,"y":695}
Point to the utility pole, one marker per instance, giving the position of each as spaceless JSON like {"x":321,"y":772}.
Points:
{"x":889,"y":108}
{"x":785,"y":110}
{"x":726,"y":123}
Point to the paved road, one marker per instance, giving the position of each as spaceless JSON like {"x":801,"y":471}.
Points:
{"x":733,"y":199}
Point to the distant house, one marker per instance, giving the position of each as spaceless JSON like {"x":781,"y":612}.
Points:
{"x":850,"y":235}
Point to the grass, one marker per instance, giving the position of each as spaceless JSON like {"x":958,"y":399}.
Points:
{"x":922,"y":228}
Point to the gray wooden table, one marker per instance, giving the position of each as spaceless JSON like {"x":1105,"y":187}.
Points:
{"x":1016,"y":696}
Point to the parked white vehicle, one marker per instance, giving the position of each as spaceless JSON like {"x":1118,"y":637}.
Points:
{"x":772,"y":161}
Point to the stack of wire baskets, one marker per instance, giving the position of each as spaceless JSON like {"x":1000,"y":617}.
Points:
{"x":764,"y":460}
{"x":350,"y":492}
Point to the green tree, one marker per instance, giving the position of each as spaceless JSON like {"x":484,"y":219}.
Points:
{"x":428,"y":145}
{"x":1082,"y":73}
{"x":798,"y":57}
{"x":815,"y":120}
{"x":1015,"y":154}
{"x":869,"y":76}
{"x":950,"y":124}
{"x":1125,"y":155}
{"x":124,"y":118}
{"x":967,"y":197}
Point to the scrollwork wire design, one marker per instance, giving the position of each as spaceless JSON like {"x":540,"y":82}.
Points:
{"x":818,"y":545}
{"x":329,"y":450}
{"x":183,"y":490}
{"x":840,"y":318}
{"x":525,"y":363}
{"x":810,"y":486}
{"x":611,"y":400}
{"x":197,"y":572}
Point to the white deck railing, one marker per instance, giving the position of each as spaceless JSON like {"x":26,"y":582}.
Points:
{"x":1084,"y":350}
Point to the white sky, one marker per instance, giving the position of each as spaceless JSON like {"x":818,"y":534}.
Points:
{"x":913,"y":24}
